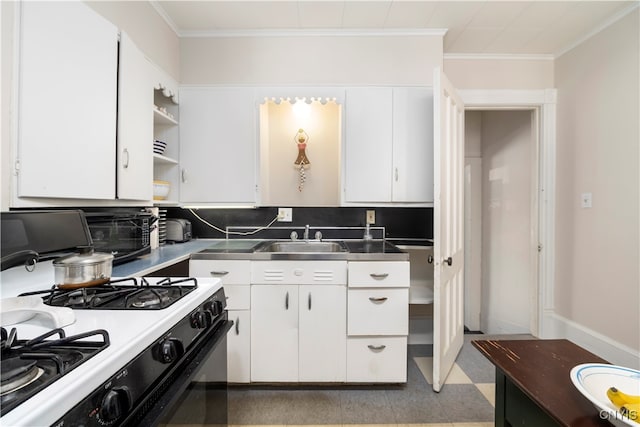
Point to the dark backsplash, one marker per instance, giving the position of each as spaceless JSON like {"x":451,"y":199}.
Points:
{"x":400,"y":223}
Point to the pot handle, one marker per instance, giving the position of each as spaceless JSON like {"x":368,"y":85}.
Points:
{"x":26,"y":257}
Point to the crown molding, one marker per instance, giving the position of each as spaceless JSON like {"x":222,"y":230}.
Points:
{"x":615,"y":18}
{"x":499,"y":56}
{"x":439,"y":32}
{"x":163,"y":14}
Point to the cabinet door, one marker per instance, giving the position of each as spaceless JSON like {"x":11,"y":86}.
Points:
{"x":67,"y":102}
{"x":218,"y":143}
{"x":274,"y":333}
{"x":322,"y":355}
{"x":368,"y":144}
{"x":135,"y":124}
{"x":412,"y":144}
{"x":239,"y":347}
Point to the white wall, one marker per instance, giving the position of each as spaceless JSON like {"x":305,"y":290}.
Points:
{"x":147,"y":29}
{"x":597,"y":277}
{"x":499,"y":73}
{"x":508,"y":151}
{"x":310,"y":60}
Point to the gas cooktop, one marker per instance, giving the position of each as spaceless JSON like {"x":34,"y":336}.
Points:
{"x":121,"y":294}
{"x":28,"y":366}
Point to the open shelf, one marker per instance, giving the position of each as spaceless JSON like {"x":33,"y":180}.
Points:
{"x":161,"y":118}
{"x":160,"y":159}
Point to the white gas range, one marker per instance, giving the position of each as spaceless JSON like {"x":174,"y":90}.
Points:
{"x":145,"y":346}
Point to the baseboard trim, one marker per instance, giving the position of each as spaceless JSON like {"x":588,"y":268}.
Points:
{"x":556,"y":326}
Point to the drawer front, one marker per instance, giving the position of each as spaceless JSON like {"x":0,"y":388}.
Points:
{"x":377,"y":359}
{"x":299,"y":272}
{"x":378,"y":311}
{"x":238,"y":297}
{"x":231,"y":272}
{"x":371,"y":274}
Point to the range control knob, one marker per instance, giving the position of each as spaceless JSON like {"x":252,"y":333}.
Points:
{"x":170,"y":349}
{"x":115,"y":403}
{"x":215,"y":307}
{"x":201,"y":319}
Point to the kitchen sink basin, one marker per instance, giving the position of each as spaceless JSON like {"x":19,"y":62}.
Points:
{"x":303,"y":246}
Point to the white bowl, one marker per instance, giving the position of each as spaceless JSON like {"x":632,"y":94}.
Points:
{"x":161,"y":189}
{"x":594,"y":379}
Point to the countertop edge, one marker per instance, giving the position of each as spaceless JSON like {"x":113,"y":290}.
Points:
{"x":170,"y":254}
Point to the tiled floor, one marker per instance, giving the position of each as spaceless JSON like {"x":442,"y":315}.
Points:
{"x":466,"y":400}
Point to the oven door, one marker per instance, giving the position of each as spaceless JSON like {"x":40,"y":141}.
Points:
{"x":195,"y":391}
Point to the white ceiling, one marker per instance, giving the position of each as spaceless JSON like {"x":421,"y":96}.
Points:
{"x":473,"y":27}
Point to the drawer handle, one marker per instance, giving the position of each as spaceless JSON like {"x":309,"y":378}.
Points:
{"x":379,"y":276}
{"x":377,"y":300}
{"x":219,"y":273}
{"x":376,"y":347}
{"x":238,"y":326}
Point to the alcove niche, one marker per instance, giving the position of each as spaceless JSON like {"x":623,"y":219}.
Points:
{"x":300,"y":152}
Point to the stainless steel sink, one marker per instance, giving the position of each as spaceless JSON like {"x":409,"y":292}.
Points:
{"x":312,"y":246}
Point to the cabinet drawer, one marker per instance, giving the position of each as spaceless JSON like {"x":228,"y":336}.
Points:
{"x":377,"y":359}
{"x":299,"y":272}
{"x":231,"y":272}
{"x":238,"y":297}
{"x":378,"y":311}
{"x":372,"y":274}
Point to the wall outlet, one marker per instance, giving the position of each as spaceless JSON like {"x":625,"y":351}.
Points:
{"x":285,"y":214}
{"x":371,"y":217}
{"x":586,"y":200}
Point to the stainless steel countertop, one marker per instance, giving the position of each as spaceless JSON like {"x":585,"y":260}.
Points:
{"x":359,"y":250}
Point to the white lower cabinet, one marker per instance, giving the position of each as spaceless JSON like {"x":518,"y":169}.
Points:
{"x":235,"y":276}
{"x":377,"y":359}
{"x":298,"y":333}
{"x":239,"y":347}
{"x":378,"y":322}
{"x":322,"y":351}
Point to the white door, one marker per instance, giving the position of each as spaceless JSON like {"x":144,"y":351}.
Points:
{"x":322,"y":351}
{"x":218,"y":145}
{"x":274,"y":333}
{"x":448,"y":226}
{"x":135,"y":124}
{"x":67,"y":102}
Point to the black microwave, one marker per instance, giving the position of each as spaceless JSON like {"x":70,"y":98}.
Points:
{"x":126,"y":235}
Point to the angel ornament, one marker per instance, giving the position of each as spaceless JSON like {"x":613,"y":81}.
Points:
{"x":302,"y":162}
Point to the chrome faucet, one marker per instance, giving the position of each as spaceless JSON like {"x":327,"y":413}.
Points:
{"x":306,"y":232}
{"x":367,"y":233}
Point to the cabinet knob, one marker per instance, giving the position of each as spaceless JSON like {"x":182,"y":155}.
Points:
{"x":183,"y":175}
{"x":430,"y":259}
{"x":238,"y":325}
{"x":448,"y":261}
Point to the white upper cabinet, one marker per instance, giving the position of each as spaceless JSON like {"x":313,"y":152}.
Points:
{"x":412,"y":145}
{"x":218,"y":145}
{"x":67,"y":102}
{"x":388,"y":145}
{"x":135,"y":124}
{"x":368,"y":144}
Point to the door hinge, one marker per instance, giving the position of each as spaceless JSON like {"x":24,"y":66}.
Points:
{"x":539,"y":247}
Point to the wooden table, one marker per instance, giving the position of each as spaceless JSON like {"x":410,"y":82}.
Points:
{"x":533,"y":387}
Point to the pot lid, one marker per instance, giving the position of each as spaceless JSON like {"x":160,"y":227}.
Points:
{"x":89,"y":258}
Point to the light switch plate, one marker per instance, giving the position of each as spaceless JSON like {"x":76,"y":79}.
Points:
{"x":285,"y":214}
{"x":371,"y":217}
{"x":586,"y":200}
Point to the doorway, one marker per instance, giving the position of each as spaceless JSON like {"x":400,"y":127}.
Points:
{"x":501,"y":220}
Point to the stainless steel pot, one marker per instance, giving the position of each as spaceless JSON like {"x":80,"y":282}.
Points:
{"x":82,"y":270}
